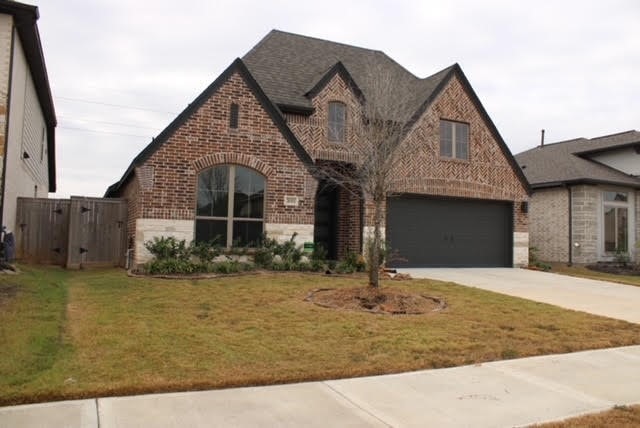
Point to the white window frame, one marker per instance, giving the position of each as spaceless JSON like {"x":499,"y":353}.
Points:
{"x":631,"y":230}
{"x":452,"y":124}
{"x":230,"y":218}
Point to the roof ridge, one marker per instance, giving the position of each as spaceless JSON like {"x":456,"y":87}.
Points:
{"x":302,"y":36}
{"x":613,"y":135}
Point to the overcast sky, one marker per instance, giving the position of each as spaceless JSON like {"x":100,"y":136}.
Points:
{"x":121,"y":70}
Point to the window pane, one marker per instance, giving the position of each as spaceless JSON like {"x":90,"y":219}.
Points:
{"x":615,"y":196}
{"x":337,"y":118}
{"x":622,"y":230}
{"x":247,"y":233}
{"x":248,"y":199}
{"x":610,"y":229}
{"x":209,"y":230}
{"x":446,"y":135}
{"x":462,"y":140}
{"x":213,"y":198}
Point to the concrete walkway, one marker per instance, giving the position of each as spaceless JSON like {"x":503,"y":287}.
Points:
{"x":500,"y":394}
{"x":597,"y":297}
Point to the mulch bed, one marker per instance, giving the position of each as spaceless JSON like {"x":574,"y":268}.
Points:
{"x":378,"y":301}
{"x":615,"y":268}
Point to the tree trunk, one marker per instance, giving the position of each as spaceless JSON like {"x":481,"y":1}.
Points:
{"x":374,"y":257}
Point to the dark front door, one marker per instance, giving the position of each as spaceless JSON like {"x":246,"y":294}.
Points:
{"x":435,"y":232}
{"x":326,"y":219}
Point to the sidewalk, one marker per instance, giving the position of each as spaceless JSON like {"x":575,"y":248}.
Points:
{"x":499,"y":394}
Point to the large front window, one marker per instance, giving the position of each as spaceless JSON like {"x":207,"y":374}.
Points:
{"x":616,"y":222}
{"x":230,"y":206}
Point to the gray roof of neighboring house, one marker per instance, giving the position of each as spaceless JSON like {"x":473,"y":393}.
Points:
{"x":288,"y":66}
{"x":25,"y":19}
{"x":568,"y":162}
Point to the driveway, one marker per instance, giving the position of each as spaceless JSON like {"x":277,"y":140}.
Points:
{"x":597,"y":297}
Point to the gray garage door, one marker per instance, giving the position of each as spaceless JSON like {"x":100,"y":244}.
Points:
{"x":431,"y":232}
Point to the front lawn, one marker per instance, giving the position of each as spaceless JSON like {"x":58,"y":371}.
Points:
{"x":584,"y":272}
{"x":98,"y":332}
{"x":618,"y":417}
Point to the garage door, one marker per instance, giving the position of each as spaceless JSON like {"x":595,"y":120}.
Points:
{"x":430,"y":232}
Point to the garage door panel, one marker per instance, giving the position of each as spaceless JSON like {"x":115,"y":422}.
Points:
{"x":449,"y":232}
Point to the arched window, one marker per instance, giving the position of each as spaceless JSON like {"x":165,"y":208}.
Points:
{"x":337,"y":122}
{"x":230,"y":205}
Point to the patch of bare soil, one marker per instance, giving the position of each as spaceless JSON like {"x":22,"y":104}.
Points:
{"x":615,"y":268}
{"x":380,"y":301}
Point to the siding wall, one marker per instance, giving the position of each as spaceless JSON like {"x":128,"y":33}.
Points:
{"x":6,"y":28}
{"x":27,"y":133}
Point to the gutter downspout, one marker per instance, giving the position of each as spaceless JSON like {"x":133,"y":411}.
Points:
{"x":570,"y":228}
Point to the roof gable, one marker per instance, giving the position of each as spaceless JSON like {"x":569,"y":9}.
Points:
{"x":569,"y":161}
{"x":273,"y":112}
{"x":443,"y":78}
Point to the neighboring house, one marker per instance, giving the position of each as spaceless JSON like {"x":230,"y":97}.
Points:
{"x":585,"y":206}
{"x":239,"y":161}
{"x":27,"y":116}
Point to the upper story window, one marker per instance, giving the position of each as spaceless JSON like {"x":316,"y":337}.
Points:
{"x":233,"y":116}
{"x":230,"y":206}
{"x":337,"y":122}
{"x":454,"y":139}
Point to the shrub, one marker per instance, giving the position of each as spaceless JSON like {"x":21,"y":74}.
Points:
{"x":170,"y":266}
{"x":351,"y":263}
{"x":206,"y":251}
{"x":165,"y":248}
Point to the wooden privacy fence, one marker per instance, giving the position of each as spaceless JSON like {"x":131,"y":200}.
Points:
{"x":72,"y":232}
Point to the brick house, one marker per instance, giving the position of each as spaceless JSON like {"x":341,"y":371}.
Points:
{"x":27,"y":116}
{"x":585,"y":205}
{"x":239,"y":161}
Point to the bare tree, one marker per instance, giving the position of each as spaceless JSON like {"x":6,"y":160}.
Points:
{"x":386,"y":104}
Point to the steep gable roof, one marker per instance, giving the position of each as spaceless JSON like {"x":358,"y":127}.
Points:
{"x":272,"y":111}
{"x":568,"y":161}
{"x":25,"y":19}
{"x":288,"y":65}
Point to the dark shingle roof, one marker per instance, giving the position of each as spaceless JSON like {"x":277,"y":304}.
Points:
{"x":287,"y":66}
{"x":568,"y":161}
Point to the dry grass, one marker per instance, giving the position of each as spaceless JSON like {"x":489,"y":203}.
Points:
{"x":618,"y":417}
{"x":104,"y":333}
{"x":583,"y":272}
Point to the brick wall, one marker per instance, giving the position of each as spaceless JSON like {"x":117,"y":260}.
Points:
{"x":549,"y":228}
{"x":165,"y":185}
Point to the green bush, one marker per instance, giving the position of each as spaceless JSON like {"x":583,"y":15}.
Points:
{"x":170,"y":266}
{"x":351,"y":263}
{"x":165,"y":248}
{"x":206,"y":251}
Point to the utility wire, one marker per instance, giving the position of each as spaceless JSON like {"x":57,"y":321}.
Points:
{"x":114,"y":105}
{"x":106,"y":122}
{"x":102,"y":132}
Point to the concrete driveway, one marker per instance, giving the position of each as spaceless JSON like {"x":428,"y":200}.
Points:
{"x":597,"y":297}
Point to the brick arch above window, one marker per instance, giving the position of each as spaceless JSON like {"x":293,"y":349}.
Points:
{"x":253,"y":162}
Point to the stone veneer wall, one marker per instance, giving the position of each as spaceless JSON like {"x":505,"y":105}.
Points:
{"x":586,"y":207}
{"x":549,"y":224}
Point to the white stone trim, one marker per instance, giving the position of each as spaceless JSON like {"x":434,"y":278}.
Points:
{"x":148,"y":228}
{"x":282,"y":232}
{"x":520,"y":249}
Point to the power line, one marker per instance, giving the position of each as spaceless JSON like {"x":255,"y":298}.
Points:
{"x":114,"y":105}
{"x":102,"y":132}
{"x":106,"y":122}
